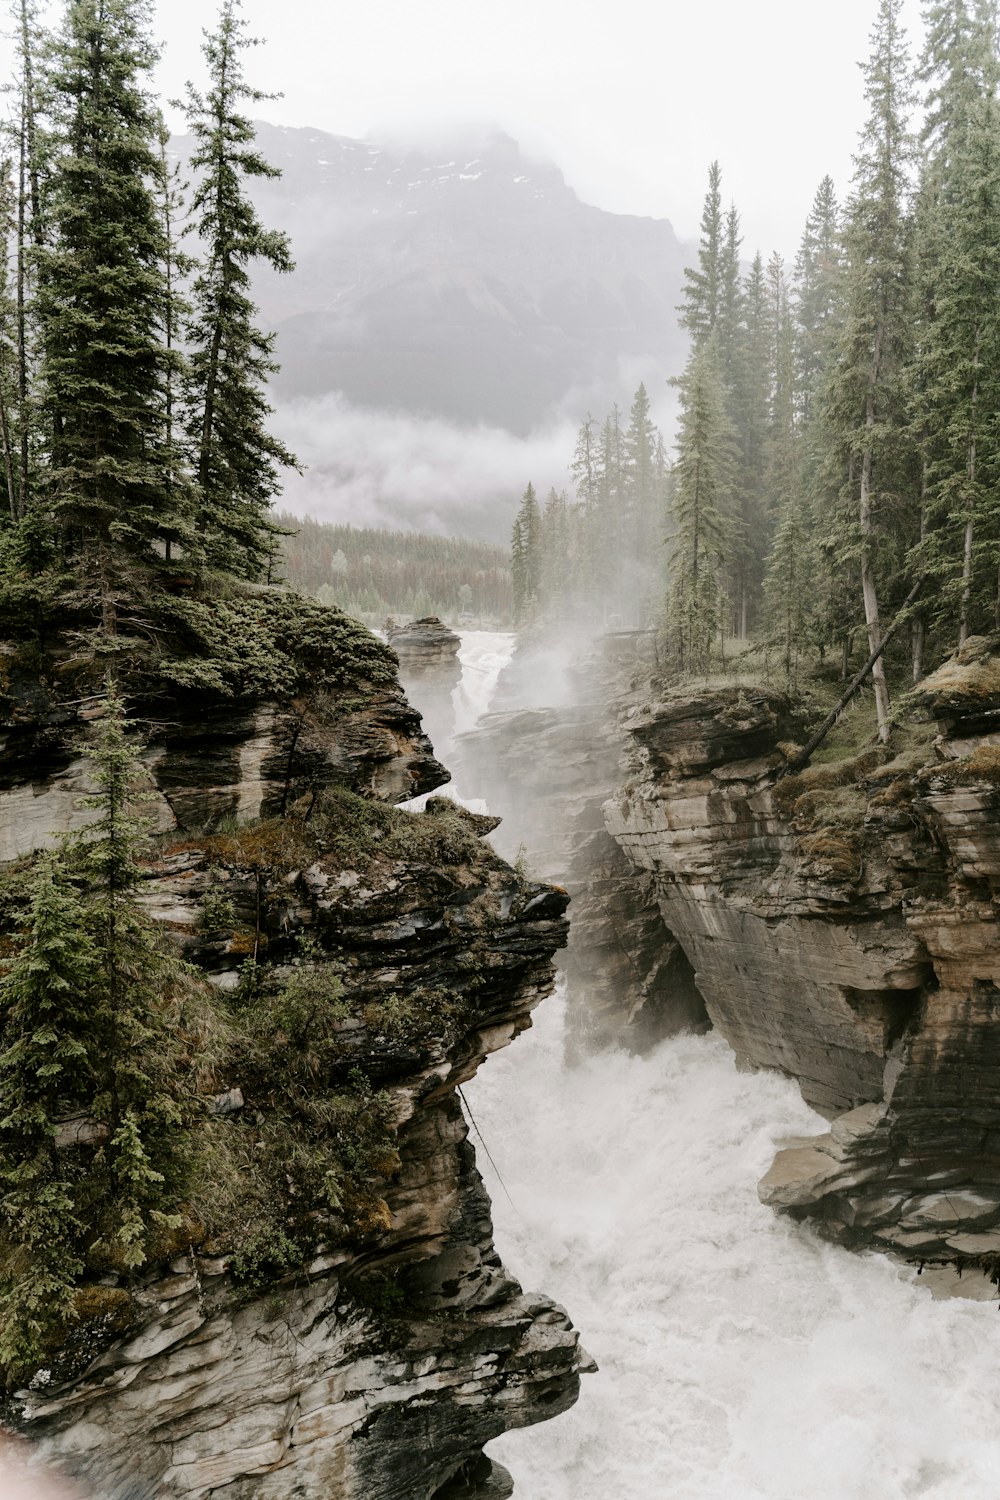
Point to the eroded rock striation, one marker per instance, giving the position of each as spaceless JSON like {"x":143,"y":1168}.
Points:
{"x":842,"y":927}
{"x":381,"y":1365}
{"x":429,"y":671}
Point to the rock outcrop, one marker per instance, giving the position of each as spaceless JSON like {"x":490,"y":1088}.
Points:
{"x":551,"y":752}
{"x":429,"y":672}
{"x":842,"y":926}
{"x":381,"y":1366}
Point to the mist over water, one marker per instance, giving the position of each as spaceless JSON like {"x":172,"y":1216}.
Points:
{"x":741,"y":1358}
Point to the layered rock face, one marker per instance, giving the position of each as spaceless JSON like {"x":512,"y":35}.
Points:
{"x":382,"y":1367}
{"x":551,"y":753}
{"x":429,"y":671}
{"x":842,"y":926}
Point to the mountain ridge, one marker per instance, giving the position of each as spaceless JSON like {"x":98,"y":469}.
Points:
{"x":470,"y":284}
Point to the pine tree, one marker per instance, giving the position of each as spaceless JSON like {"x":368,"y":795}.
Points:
{"x":140,"y":1095}
{"x":729,"y":321}
{"x":702,"y":495}
{"x":868,"y":395}
{"x":526,"y":556}
{"x":956,"y":376}
{"x":817,"y":283}
{"x":238,"y":461}
{"x":789,"y":585}
{"x":703,"y":291}
{"x":47,"y":1069}
{"x":28,"y":239}
{"x":10,"y":455}
{"x":750,"y":409}
{"x":101,"y":294}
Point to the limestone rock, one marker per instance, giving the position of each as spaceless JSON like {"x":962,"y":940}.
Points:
{"x":842,"y":927}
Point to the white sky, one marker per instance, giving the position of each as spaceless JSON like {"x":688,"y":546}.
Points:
{"x":632,"y":99}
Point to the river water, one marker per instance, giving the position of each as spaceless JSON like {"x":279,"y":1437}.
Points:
{"x":741,"y":1358}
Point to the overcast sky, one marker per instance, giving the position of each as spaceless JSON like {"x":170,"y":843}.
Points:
{"x":632,"y":99}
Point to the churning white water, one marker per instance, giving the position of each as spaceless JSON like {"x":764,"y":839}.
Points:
{"x":740,"y":1357}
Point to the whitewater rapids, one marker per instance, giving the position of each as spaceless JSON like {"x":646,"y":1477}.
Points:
{"x":740,"y":1357}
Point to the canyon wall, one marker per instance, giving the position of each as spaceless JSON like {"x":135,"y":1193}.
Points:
{"x":842,"y":927}
{"x":381,"y":1366}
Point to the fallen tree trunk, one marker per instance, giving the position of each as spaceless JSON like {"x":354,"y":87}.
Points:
{"x":798,"y":762}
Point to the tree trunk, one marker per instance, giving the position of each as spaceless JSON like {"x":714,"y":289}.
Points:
{"x":963,"y":608}
{"x":808,"y":750}
{"x":918,"y":631}
{"x":868,"y":590}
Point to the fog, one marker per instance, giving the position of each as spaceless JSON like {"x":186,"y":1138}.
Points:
{"x":410,"y":473}
{"x":365,"y":467}
{"x":632,"y":101}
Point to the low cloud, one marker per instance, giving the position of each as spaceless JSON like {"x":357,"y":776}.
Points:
{"x":367,"y":467}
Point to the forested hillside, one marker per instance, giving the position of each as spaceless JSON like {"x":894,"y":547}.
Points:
{"x":838,"y":454}
{"x":375,"y":574}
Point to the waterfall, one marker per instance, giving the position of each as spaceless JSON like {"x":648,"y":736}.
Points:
{"x":741,"y":1357}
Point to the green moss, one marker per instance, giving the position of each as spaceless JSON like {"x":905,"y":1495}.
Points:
{"x":356,"y":831}
{"x":266,"y":643}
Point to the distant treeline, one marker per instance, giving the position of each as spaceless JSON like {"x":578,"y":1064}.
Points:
{"x":373,"y":574}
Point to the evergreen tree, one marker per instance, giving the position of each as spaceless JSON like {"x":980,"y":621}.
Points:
{"x":818,"y":274}
{"x":868,"y":391}
{"x":525,"y":562}
{"x":789,"y":585}
{"x":702,"y":494}
{"x":10,"y":456}
{"x":958,"y":367}
{"x":47,"y":1069}
{"x":238,"y":462}
{"x":730,"y":316}
{"x":703,"y":291}
{"x":750,"y":408}
{"x":28,"y":239}
{"x":101,"y":294}
{"x":140,"y":1094}
{"x":555,"y":555}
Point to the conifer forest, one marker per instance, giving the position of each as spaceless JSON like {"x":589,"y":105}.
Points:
{"x":835,"y":467}
{"x":247,"y":967}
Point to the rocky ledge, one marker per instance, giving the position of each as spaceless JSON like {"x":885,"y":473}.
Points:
{"x":842,"y":925}
{"x":370,"y":1350}
{"x":429,"y":670}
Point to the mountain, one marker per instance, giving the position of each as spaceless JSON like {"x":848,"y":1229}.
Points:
{"x":470,"y":285}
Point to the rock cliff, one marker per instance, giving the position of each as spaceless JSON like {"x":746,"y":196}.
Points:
{"x":842,"y":927}
{"x":372,"y":1350}
{"x":429,"y":672}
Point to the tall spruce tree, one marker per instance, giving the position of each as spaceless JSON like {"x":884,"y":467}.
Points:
{"x":238,"y":461}
{"x":817,"y":295}
{"x":525,"y":556}
{"x":701,"y":506}
{"x":101,"y":293}
{"x":703,"y":290}
{"x":48,"y":1052}
{"x":867,"y":394}
{"x":142,"y":1095}
{"x":957,"y":377}
{"x":750,"y":408}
